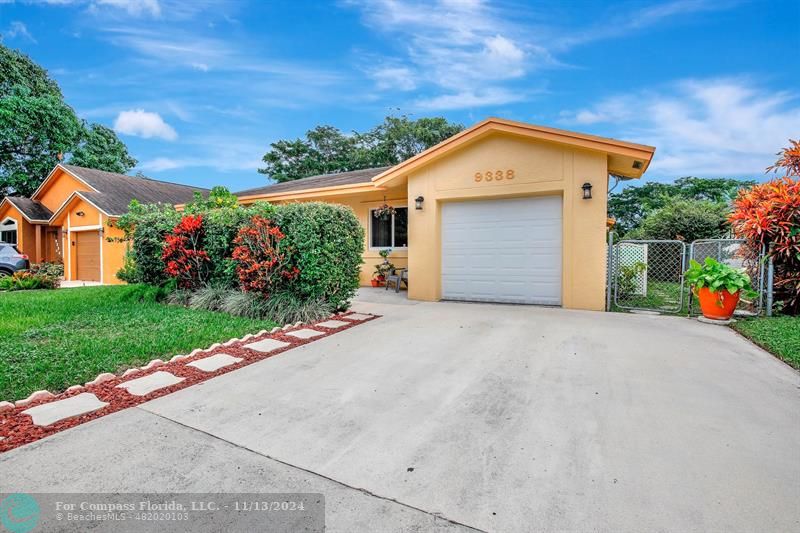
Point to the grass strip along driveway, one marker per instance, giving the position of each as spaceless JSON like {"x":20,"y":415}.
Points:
{"x":779,"y":335}
{"x":54,"y":339}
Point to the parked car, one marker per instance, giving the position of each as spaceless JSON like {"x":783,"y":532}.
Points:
{"x":11,"y":260}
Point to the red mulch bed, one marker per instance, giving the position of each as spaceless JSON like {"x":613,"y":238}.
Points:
{"x":18,"y":429}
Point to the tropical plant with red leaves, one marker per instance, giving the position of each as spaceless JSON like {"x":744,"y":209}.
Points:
{"x":184,"y":257}
{"x":788,"y":160}
{"x":262,"y":264}
{"x":769,"y":215}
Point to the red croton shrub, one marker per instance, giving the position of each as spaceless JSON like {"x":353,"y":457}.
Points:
{"x":184,"y":256}
{"x":262,"y":266}
{"x":769,"y":214}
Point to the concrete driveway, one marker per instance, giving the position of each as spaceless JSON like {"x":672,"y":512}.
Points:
{"x":454,"y":416}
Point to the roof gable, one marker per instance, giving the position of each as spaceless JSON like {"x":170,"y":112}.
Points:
{"x":620,"y":152}
{"x":321,"y":181}
{"x":32,"y":210}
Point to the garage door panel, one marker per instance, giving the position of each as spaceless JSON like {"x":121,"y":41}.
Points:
{"x":502,"y":251}
{"x":88,"y":255}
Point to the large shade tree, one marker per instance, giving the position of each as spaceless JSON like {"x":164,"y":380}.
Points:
{"x":37,"y":127}
{"x":633,"y":205}
{"x":100,"y":148}
{"x":326,"y":149}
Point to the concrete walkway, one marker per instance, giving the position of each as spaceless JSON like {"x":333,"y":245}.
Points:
{"x":500,"y":418}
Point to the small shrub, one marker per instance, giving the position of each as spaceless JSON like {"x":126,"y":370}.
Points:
{"x":145,"y":226}
{"x":326,"y":242}
{"x":262,"y":262}
{"x":53,"y":270}
{"x":685,"y":220}
{"x":184,"y":255}
{"x":26,"y":281}
{"x":627,"y":279}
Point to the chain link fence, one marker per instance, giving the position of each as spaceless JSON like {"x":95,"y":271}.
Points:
{"x":648,"y":275}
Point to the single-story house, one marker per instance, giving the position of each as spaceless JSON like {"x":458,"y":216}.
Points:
{"x":70,"y":218}
{"x":501,"y":212}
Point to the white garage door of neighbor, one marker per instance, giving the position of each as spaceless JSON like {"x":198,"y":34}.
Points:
{"x":502,"y":251}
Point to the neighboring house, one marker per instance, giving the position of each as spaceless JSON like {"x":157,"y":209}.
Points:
{"x":495,"y":213}
{"x":71,"y":218}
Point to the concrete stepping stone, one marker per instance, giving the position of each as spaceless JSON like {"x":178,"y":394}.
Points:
{"x":153,"y":382}
{"x":305,"y":333}
{"x":357,"y":316}
{"x":49,"y":413}
{"x":267,"y":345}
{"x":332,"y":324}
{"x":215,"y":362}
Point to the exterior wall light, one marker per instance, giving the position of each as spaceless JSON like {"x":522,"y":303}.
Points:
{"x":587,"y":190}
{"x":80,"y":213}
{"x":418,"y":201}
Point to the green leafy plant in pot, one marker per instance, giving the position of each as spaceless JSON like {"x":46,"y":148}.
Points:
{"x":382,"y":269}
{"x":718,"y":287}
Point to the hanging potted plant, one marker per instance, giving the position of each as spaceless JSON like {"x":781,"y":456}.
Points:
{"x":384,"y":212}
{"x":718,"y":287}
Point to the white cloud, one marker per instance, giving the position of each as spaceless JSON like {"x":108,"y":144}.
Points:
{"x":18,"y":29}
{"x":460,"y":47}
{"x":706,"y":127}
{"x":134,"y":7}
{"x":160,"y":164}
{"x":472,"y":51}
{"x":145,"y":124}
{"x":397,"y":78}
{"x":222,"y":153}
{"x":467,"y":99}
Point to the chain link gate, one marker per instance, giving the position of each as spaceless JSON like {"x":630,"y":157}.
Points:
{"x":648,"y":275}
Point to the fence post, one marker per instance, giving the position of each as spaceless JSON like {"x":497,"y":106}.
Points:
{"x":770,"y":279}
{"x":609,"y":269}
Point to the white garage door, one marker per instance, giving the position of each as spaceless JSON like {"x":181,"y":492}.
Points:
{"x":502,"y":251}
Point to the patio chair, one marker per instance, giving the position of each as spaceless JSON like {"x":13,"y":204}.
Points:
{"x":397,"y":276}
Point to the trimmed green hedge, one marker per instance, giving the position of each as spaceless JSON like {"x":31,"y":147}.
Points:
{"x":325,"y":242}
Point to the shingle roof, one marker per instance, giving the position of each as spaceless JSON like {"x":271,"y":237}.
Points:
{"x":116,"y":191}
{"x":30,"y":208}
{"x":315,"y":182}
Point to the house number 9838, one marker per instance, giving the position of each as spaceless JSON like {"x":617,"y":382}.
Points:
{"x":494,"y":175}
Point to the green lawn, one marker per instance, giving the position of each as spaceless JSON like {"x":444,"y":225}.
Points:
{"x":54,"y":339}
{"x":779,"y":335}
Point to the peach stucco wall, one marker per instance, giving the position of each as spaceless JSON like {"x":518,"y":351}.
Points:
{"x":538,"y":168}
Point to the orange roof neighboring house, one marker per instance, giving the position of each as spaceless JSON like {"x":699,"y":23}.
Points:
{"x":109,"y":192}
{"x":32,"y":210}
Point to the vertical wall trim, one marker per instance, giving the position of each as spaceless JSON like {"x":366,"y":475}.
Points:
{"x":100,"y":233}
{"x":68,"y":247}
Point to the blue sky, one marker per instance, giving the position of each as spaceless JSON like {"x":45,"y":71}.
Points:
{"x":198,"y":89}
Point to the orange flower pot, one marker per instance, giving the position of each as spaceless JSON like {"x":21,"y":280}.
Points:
{"x":718,"y":305}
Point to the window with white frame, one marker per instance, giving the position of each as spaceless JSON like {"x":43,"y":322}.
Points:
{"x":8,"y":231}
{"x":391,"y":231}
